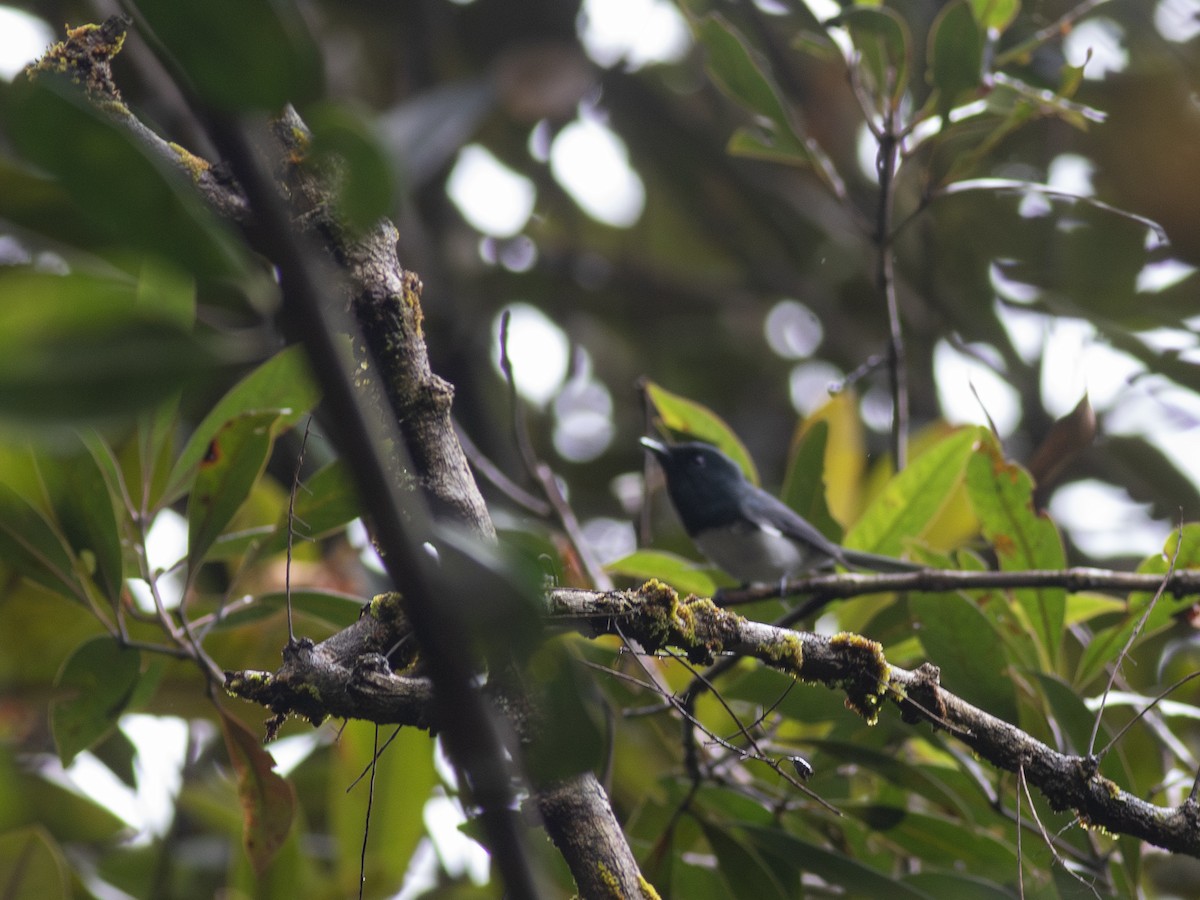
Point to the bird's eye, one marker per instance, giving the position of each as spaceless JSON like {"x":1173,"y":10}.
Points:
{"x":698,"y":460}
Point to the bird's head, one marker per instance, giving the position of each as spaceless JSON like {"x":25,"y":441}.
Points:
{"x":705,"y":485}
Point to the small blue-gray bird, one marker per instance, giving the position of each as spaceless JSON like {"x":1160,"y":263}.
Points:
{"x":745,"y":531}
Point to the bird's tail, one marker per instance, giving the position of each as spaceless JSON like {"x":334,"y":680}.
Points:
{"x":873,"y":562}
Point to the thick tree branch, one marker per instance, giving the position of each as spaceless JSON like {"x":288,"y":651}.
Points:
{"x":347,"y":676}
{"x":385,"y":299}
{"x":656,"y":617}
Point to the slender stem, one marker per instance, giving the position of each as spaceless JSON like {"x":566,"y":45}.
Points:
{"x":885,"y":278}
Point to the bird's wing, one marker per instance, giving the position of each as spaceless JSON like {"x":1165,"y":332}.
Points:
{"x":772,"y":513}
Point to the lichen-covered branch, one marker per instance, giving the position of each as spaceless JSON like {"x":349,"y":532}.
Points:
{"x":656,"y":616}
{"x":347,"y":676}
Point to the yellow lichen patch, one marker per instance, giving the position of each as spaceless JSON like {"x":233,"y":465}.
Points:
{"x":412,"y":298}
{"x":386,"y":607}
{"x":194,"y":165}
{"x":787,"y":654}
{"x":85,"y":57}
{"x":866,"y":689}
{"x":611,"y":884}
{"x":648,"y":891}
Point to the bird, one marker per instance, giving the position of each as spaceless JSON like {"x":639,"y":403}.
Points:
{"x":750,"y":534}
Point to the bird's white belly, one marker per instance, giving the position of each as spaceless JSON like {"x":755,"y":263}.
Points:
{"x":754,"y":555}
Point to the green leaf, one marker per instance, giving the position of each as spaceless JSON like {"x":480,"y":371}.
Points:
{"x":682,"y":574}
{"x":31,"y":546}
{"x":78,"y":347}
{"x":912,"y":500}
{"x":97,"y":683}
{"x":741,"y":74}
{"x":236,"y":458}
{"x":1002,"y":496}
{"x":365,"y":184}
{"x":170,"y":292}
{"x":134,"y":198}
{"x":853,"y":877}
{"x":404,"y":780}
{"x":955,"y":55}
{"x":153,"y":454}
{"x":38,"y":203}
{"x":921,"y":781}
{"x":325,"y":504}
{"x":996,"y":14}
{"x":89,"y":520}
{"x":32,"y":865}
{"x":281,"y":385}
{"x":752,"y":143}
{"x":882,"y":39}
{"x":938,"y":838}
{"x":742,"y":868}
{"x":965,"y":646}
{"x":700,"y":423}
{"x":239,"y":55}
{"x":267,"y":800}
{"x":566,"y":696}
{"x":958,"y":885}
{"x":804,"y":482}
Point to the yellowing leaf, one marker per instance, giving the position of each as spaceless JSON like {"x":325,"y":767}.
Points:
{"x":268,"y":801}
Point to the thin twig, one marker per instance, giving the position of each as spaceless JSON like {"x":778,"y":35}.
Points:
{"x":1059,"y":28}
{"x":291,"y":515}
{"x":495,"y":475}
{"x":1133,"y":636}
{"x":885,"y":276}
{"x":362,"y":858}
{"x":1162,"y":695}
{"x":1023,"y":784}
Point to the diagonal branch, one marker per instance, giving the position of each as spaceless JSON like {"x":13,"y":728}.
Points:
{"x":656,"y":616}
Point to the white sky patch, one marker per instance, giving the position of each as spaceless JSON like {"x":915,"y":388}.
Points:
{"x":23,"y":38}
{"x":867,"y":152}
{"x":823,"y":9}
{"x":458,"y":853}
{"x":1072,"y":174}
{"x":610,"y":539}
{"x":1104,"y":521}
{"x":956,"y":373}
{"x":1076,"y":362}
{"x":808,"y":385}
{"x":1166,"y":273}
{"x":1010,"y":288}
{"x":161,"y":743}
{"x":166,"y":545}
{"x":792,"y":330}
{"x":1104,"y":38}
{"x":638,"y":32}
{"x":583,"y":412}
{"x":538,"y":349}
{"x":1026,"y":330}
{"x":1177,"y":20}
{"x":495,"y":199}
{"x":360,"y":540}
{"x":592,"y":165}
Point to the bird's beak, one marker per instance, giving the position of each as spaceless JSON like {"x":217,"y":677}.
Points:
{"x":658,"y":448}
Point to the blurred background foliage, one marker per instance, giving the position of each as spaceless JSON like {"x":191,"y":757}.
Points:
{"x":696,"y":209}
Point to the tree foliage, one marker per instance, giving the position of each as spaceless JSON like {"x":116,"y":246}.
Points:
{"x":204,"y":321}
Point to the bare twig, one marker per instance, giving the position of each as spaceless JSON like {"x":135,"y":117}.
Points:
{"x":885,"y":280}
{"x":1133,"y":636}
{"x":291,"y":515}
